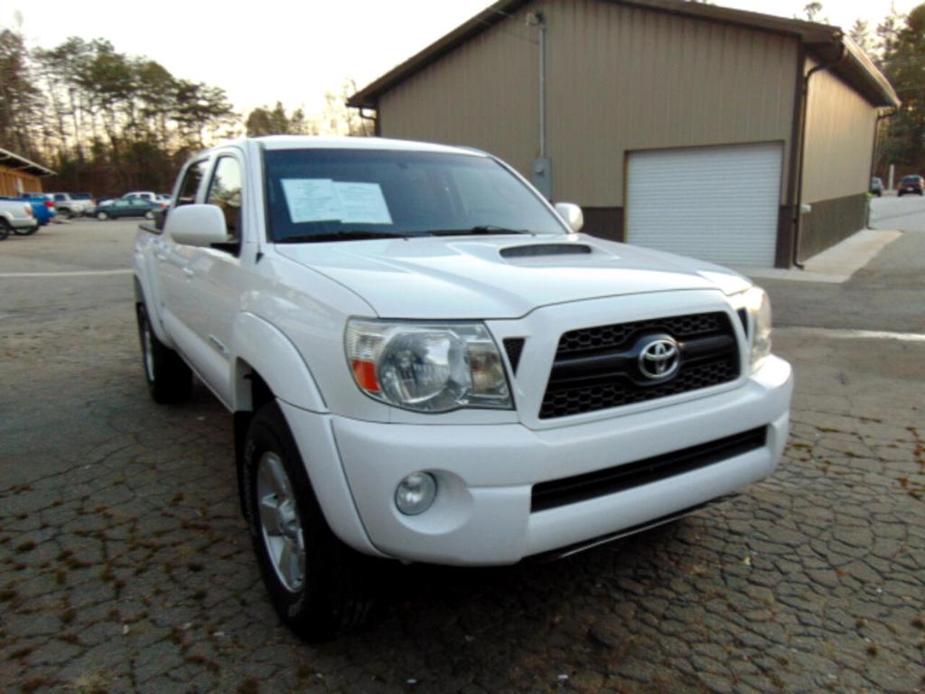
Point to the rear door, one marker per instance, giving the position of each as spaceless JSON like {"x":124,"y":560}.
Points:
{"x":714,"y":203}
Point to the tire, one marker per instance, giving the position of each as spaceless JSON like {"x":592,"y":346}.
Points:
{"x":169,"y":379}
{"x":27,"y":232}
{"x":325,"y":591}
{"x":4,"y":229}
{"x":102,"y":216}
{"x":899,"y":194}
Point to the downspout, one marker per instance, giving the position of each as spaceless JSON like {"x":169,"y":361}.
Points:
{"x":542,"y":24}
{"x":374,"y":118}
{"x":888,"y":113}
{"x":875,"y":150}
{"x":798,"y":206}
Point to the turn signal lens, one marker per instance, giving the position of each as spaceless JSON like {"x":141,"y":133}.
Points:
{"x":364,"y":373}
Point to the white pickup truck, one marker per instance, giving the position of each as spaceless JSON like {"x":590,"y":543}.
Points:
{"x":17,"y":216}
{"x":425,"y":361}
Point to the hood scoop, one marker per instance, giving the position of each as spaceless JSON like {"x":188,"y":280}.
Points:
{"x":538,"y":250}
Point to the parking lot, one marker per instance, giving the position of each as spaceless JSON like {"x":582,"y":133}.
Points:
{"x":125,"y":564}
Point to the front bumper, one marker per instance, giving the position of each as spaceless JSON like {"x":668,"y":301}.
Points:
{"x":485,"y":473}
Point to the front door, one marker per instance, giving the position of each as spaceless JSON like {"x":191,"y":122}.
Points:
{"x":216,"y":277}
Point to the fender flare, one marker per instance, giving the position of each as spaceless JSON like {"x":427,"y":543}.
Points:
{"x":261,"y":346}
{"x":143,"y":296}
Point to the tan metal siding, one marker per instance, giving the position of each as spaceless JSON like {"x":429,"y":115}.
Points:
{"x":619,"y":79}
{"x":839,"y":139}
{"x":484,"y":94}
{"x":624,"y":79}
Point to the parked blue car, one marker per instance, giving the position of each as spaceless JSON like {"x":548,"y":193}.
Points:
{"x":42,"y":206}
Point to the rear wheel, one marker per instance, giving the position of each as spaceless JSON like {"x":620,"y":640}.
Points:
{"x":102,"y":216}
{"x":149,"y":215}
{"x":169,"y":378}
{"x":4,"y":229}
{"x":317,"y":584}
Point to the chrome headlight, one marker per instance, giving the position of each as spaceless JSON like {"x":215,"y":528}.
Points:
{"x":755,"y":301}
{"x":427,"y":367}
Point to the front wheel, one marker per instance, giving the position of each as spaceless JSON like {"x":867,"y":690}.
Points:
{"x":4,"y":229}
{"x":317,"y":584}
{"x":102,"y":216}
{"x":149,"y":215}
{"x":169,"y":378}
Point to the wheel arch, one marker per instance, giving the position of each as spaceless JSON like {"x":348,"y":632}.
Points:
{"x":144,"y":296}
{"x":263,"y":349}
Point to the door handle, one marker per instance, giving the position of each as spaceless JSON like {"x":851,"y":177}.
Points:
{"x":188,"y":272}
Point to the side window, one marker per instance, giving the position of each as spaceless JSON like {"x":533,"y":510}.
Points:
{"x":225,"y":192}
{"x":194,"y":175}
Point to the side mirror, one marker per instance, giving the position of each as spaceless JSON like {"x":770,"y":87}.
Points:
{"x":572,"y":215}
{"x":197,"y":225}
{"x":160,"y":218}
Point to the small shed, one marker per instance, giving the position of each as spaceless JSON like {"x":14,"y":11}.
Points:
{"x":20,"y":175}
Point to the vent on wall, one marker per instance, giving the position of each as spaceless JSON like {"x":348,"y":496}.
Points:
{"x":541,"y":249}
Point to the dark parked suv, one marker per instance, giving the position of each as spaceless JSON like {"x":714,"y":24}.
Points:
{"x":912,"y":184}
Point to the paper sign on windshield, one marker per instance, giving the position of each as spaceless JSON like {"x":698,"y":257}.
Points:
{"x":311,"y":199}
{"x":362,"y":203}
{"x":325,"y":200}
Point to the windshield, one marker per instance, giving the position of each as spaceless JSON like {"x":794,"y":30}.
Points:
{"x":330,"y":194}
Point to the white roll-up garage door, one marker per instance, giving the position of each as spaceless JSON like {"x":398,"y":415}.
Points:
{"x":718,"y":203}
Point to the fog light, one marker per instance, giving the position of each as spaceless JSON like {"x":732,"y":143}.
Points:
{"x":416,"y":493}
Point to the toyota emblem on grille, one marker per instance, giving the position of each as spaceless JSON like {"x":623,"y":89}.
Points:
{"x":659,"y":358}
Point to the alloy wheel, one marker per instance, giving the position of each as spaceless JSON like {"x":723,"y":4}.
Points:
{"x":280,"y":525}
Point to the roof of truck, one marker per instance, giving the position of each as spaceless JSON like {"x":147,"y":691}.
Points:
{"x":380,"y":143}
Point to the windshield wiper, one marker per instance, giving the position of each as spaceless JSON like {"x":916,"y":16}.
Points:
{"x":484,"y":229}
{"x":344,"y":235}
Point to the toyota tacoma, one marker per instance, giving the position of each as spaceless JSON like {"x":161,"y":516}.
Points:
{"x":427,"y":362}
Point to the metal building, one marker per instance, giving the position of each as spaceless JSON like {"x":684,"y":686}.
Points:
{"x":677,"y":125}
{"x":19,"y":175}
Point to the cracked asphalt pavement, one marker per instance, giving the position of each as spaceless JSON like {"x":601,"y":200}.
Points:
{"x":125,"y":564}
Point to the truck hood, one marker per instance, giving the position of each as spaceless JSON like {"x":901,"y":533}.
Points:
{"x":500,"y":277}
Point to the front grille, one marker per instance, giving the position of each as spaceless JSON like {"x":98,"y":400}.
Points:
{"x":570,"y":490}
{"x":597,"y":368}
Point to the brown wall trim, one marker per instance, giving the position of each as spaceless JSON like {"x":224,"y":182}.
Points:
{"x":604,"y":222}
{"x":832,"y":221}
{"x":788,"y":219}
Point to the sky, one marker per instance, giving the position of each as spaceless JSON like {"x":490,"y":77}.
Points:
{"x":296,"y":51}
